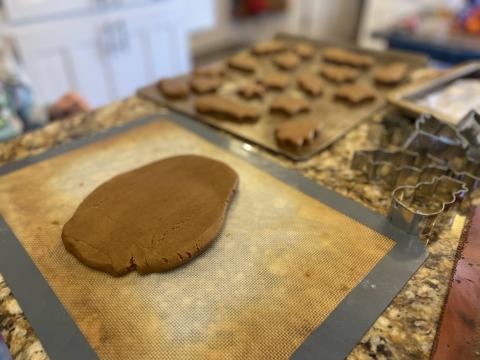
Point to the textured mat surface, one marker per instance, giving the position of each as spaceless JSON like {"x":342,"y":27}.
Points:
{"x":283,"y":262}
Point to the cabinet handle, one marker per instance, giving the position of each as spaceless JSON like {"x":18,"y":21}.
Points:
{"x":121,"y":32}
{"x":106,"y":38}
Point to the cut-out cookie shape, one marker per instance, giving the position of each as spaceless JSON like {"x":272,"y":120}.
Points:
{"x":298,"y":132}
{"x":311,"y":84}
{"x":275,"y":81}
{"x":226,"y":107}
{"x":355,"y":94}
{"x":243,"y":62}
{"x":269,"y":47}
{"x":209,"y":71}
{"x":153,"y":218}
{"x":345,"y":57}
{"x":252,"y":90}
{"x":391,"y":74}
{"x":339,"y":74}
{"x":203,"y":85}
{"x":304,"y":50}
{"x":174,"y":88}
{"x":289,"y":105}
{"x":286,"y":61}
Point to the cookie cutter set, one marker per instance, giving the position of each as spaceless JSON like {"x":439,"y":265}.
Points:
{"x":432,"y":171}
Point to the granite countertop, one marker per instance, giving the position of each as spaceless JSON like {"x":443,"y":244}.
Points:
{"x":407,"y":327}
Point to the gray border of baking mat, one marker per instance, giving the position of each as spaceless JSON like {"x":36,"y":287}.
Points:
{"x":333,"y":339}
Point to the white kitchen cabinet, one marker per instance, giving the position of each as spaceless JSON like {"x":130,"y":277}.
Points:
{"x":28,"y":9}
{"x":104,"y":58}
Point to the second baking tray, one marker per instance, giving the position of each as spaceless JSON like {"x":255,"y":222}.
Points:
{"x":411,"y":99}
{"x":337,"y":118}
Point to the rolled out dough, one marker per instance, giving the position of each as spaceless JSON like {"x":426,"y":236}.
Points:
{"x":153,"y":218}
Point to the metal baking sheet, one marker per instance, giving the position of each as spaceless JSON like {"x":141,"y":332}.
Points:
{"x":262,"y":291}
{"x":411,"y":99}
{"x":337,"y":117}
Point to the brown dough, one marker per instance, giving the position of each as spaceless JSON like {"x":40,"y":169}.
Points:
{"x":174,"y":88}
{"x":391,"y":74}
{"x":286,"y":61}
{"x":269,"y":47}
{"x":311,"y":84}
{"x":224,"y":106}
{"x":154,"y":218}
{"x":275,"y":81}
{"x":298,"y":132}
{"x":244,"y":63}
{"x":252,"y":90}
{"x":209,"y":71}
{"x":355,"y":94}
{"x":345,"y":57}
{"x":289,"y":105}
{"x":203,"y":85}
{"x":339,"y":74}
{"x":304,"y":50}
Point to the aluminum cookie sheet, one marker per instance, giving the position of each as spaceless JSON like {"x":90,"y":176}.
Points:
{"x":336,"y":117}
{"x":283,"y":262}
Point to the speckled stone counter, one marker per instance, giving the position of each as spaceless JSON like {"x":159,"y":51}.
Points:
{"x":406,"y":329}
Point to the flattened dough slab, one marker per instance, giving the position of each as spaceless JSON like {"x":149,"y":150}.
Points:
{"x":153,"y":218}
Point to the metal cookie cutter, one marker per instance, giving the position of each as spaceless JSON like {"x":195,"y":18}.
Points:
{"x":391,"y":131}
{"x":396,"y":168}
{"x":469,"y":127}
{"x":417,"y":208}
{"x":432,"y":165}
{"x":440,"y":131}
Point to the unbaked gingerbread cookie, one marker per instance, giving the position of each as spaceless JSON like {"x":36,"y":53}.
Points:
{"x":275,"y":81}
{"x":243,"y":62}
{"x":355,"y":93}
{"x":298,"y":132}
{"x":289,"y":105}
{"x":269,"y":47}
{"x":391,"y":74}
{"x":229,"y":108}
{"x":304,"y":50}
{"x":252,"y":90}
{"x":286,"y":61}
{"x":346,"y":57}
{"x":174,"y":88}
{"x":339,"y":74}
{"x":209,"y":71}
{"x":203,"y":84}
{"x":311,"y":84}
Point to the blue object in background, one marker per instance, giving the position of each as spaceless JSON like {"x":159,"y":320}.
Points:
{"x":448,"y":50}
{"x":4,"y":353}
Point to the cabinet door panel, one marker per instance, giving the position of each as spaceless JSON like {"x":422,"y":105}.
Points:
{"x":128,"y":67}
{"x":105,"y":57}
{"x":91,"y":77}
{"x":168,"y":53}
{"x":58,"y":61}
{"x":24,"y":9}
{"x":49,"y":74}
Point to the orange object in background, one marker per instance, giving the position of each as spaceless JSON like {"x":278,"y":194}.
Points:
{"x":472,"y":22}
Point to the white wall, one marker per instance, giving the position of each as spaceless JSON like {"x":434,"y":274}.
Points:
{"x":335,"y":19}
{"x":379,"y":14}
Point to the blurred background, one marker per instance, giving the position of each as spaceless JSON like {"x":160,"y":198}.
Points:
{"x":103,"y":50}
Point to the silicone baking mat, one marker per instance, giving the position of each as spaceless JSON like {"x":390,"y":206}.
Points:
{"x":283,"y":262}
{"x":337,"y":117}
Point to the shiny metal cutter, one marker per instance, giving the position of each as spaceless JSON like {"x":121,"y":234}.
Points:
{"x":434,"y":164}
